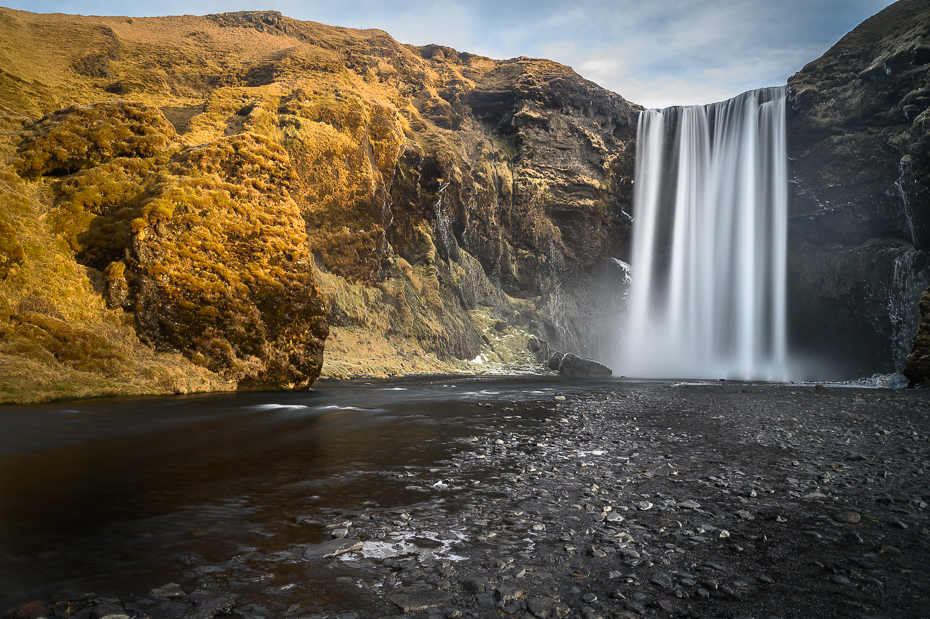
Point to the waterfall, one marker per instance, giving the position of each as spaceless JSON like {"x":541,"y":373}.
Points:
{"x":709,"y":242}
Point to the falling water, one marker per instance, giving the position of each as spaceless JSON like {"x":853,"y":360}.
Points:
{"x":709,"y":241}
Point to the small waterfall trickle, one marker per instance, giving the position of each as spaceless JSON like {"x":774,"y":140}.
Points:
{"x":709,"y":242}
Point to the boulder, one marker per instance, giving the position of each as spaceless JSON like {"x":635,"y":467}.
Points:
{"x":554,"y":361}
{"x":573,"y":365}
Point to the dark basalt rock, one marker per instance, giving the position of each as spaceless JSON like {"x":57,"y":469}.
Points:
{"x":859,"y":144}
{"x":917,"y":365}
{"x":573,"y":365}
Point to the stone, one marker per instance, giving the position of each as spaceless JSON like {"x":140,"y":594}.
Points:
{"x":555,"y":359}
{"x":667,"y":606}
{"x":109,"y":610}
{"x":689,"y":504}
{"x":171,"y":590}
{"x":847,"y":516}
{"x":508,"y":594}
{"x":662,"y":580}
{"x":546,"y":608}
{"x":580,"y":367}
{"x":418,"y":598}
{"x":475,"y":584}
{"x":663,"y":471}
{"x":31,"y":610}
{"x":637,"y":607}
{"x":332,"y":548}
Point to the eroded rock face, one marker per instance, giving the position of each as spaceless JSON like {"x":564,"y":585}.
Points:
{"x":917,"y":366}
{"x":203,"y":245}
{"x":860,"y":212}
{"x":226,"y":277}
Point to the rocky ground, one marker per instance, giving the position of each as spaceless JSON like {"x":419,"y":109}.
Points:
{"x":710,"y":500}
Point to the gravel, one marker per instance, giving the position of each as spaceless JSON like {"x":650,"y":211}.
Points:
{"x":690,"y":500}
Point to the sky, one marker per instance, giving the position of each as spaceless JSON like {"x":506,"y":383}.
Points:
{"x":653,"y":52}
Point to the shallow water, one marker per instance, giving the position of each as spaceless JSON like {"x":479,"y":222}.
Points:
{"x":107,"y":495}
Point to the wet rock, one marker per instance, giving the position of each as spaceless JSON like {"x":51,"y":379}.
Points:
{"x":667,"y":606}
{"x":418,"y":597}
{"x":546,"y":608}
{"x":508,"y":594}
{"x":662,"y":580}
{"x":171,"y":590}
{"x":167,"y":610}
{"x":110,"y":610}
{"x":555,"y":359}
{"x":209,"y":604}
{"x":332,"y":548}
{"x":475,"y":585}
{"x":579,"y":367}
{"x":917,"y":364}
{"x":847,"y":517}
{"x":663,"y":471}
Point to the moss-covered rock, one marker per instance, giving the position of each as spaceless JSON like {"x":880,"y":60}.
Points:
{"x":428,"y":183}
{"x":220,"y":269}
{"x":203,"y":245}
{"x":78,"y":137}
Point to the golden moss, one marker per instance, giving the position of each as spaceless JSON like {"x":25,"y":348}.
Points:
{"x":81,"y":136}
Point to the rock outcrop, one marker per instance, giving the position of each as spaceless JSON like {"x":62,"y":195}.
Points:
{"x":203,"y":245}
{"x":211,"y":171}
{"x":859,"y":140}
{"x":580,"y":367}
{"x":917,"y":365}
{"x":566,"y":364}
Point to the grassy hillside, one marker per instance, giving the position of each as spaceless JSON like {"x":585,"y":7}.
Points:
{"x":168,"y":183}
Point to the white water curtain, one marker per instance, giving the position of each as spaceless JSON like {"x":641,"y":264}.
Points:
{"x":709,"y":242}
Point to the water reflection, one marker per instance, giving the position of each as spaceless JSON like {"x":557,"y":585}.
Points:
{"x":107,"y":495}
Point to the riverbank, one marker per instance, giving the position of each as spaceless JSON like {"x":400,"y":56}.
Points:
{"x":701,"y":500}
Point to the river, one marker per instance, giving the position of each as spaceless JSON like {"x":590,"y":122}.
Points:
{"x":109,"y":495}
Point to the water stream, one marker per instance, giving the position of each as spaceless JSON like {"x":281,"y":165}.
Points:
{"x":107,"y":495}
{"x":709,"y":242}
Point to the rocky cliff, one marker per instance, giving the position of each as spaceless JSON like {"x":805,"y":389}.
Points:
{"x":230,"y":185}
{"x":859,"y":140}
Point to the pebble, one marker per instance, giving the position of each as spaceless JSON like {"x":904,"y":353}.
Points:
{"x":562,"y":507}
{"x":847,"y":517}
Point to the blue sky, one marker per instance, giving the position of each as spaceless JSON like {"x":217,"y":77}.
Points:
{"x":653,"y":52}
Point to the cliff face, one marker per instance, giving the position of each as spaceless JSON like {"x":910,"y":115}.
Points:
{"x":917,"y":365}
{"x":230,"y":184}
{"x":859,"y":139}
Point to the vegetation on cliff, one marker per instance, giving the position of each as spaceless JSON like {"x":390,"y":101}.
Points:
{"x":198,"y":177}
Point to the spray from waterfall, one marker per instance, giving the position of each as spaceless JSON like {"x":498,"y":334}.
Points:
{"x":709,"y":242}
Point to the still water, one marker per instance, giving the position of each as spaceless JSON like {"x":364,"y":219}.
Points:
{"x":107,"y":495}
